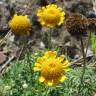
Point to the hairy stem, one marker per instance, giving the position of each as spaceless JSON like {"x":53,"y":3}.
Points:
{"x":88,"y":42}
{"x":84,"y":66}
{"x":84,"y":61}
{"x":30,"y":64}
{"x":50,"y":39}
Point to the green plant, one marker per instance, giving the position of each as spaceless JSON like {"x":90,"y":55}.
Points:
{"x":93,"y":42}
{"x":18,"y":81}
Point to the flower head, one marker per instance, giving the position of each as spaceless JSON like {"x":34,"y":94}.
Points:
{"x":51,"y":15}
{"x":53,"y":68}
{"x":92,"y":24}
{"x":77,"y":24}
{"x":20,"y":25}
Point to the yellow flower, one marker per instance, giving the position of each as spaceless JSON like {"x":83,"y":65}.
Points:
{"x":20,"y":25}
{"x":51,"y":15}
{"x":53,"y":68}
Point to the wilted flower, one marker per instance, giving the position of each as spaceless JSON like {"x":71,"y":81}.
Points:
{"x":20,"y":25}
{"x":77,"y":24}
{"x":51,"y":15}
{"x":92,"y":23}
{"x":53,"y":68}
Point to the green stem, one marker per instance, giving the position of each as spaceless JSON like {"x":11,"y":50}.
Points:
{"x":28,"y":57}
{"x":84,"y":61}
{"x":84,"y":66}
{"x":50,"y":39}
{"x":88,"y":42}
{"x":29,"y":63}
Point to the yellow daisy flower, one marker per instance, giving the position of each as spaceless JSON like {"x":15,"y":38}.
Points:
{"x":20,"y":25}
{"x":51,"y":15}
{"x":53,"y":68}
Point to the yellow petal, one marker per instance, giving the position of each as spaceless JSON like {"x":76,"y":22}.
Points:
{"x":48,"y":6}
{"x":63,"y":78}
{"x":37,"y":64}
{"x":36,"y":69}
{"x":43,"y":8}
{"x":42,"y":23}
{"x":50,"y":54}
{"x":63,"y":13}
{"x":67,"y":69}
{"x":50,"y":83}
{"x":40,"y":60}
{"x":61,"y":58}
{"x":15,"y":15}
{"x":41,"y":79}
{"x":60,"y":8}
{"x":53,"y":5}
{"x":66,"y":64}
{"x":26,"y":16}
{"x":50,"y":25}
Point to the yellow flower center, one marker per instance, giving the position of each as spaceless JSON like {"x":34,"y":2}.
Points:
{"x":51,"y":16}
{"x":52,"y":69}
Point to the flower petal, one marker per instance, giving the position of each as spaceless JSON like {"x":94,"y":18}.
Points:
{"x":40,"y":60}
{"x":36,"y":69}
{"x":67,"y":69}
{"x":66,"y":64}
{"x":41,"y":79}
{"x":61,"y":58}
{"x":37,"y":64}
{"x":50,"y":54}
{"x":63,"y":78}
{"x":50,"y":83}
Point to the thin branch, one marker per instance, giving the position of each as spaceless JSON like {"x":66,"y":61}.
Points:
{"x":6,"y":64}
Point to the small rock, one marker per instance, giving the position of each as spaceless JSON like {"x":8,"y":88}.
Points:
{"x":42,"y":45}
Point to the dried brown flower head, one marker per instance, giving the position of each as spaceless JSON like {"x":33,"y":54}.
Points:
{"x":92,"y":23}
{"x":76,"y":24}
